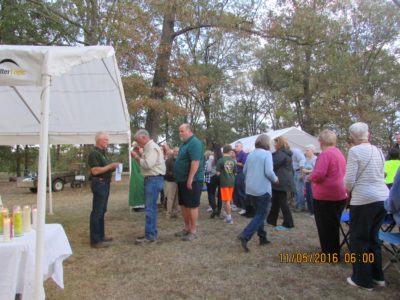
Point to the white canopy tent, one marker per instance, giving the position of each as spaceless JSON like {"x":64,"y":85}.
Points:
{"x":59,"y":95}
{"x":296,"y":138}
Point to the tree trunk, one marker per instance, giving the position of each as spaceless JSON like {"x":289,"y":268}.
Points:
{"x":306,"y":118}
{"x":92,"y":20}
{"x":167,"y":135}
{"x":58,"y":153}
{"x":160,"y":78}
{"x":205,"y":105}
{"x":26,"y":158}
{"x":18,"y":160}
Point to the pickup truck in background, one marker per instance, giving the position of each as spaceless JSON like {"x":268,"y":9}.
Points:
{"x":58,"y":180}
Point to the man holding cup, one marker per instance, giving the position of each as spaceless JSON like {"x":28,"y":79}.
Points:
{"x":101,"y":169}
{"x":152,"y":167}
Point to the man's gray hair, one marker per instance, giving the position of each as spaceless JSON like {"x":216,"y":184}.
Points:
{"x":99,"y":134}
{"x":141,"y":132}
{"x":359,"y":132}
{"x":187,"y":126}
{"x":310,"y":146}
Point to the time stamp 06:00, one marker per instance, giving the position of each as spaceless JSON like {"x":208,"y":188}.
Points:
{"x":321,"y":258}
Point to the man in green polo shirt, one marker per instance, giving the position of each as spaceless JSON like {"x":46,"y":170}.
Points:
{"x":101,"y":169}
{"x":189,"y":175}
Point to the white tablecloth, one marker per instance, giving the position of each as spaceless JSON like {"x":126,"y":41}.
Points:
{"x":17,"y":261}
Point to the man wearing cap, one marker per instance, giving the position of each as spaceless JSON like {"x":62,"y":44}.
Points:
{"x":152,"y":167}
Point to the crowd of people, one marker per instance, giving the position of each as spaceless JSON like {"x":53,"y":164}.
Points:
{"x":258,"y":185}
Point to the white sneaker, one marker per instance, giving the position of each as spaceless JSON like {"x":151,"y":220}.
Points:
{"x":380,"y":283}
{"x":234,"y":207}
{"x":209,"y":209}
{"x":242,"y":212}
{"x":229,"y":221}
{"x":351,"y":282}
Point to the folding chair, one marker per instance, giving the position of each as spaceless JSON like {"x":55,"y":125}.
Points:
{"x":388,"y":223}
{"x":345,"y":221}
{"x":391,"y":243}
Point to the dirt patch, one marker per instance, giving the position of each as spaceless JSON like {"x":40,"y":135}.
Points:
{"x":211,"y":267}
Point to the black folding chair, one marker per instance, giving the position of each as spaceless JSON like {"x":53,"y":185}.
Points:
{"x":344,"y":228}
{"x":391,"y":243}
{"x":388,"y":223}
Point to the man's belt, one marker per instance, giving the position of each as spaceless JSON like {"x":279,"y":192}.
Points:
{"x":148,"y":176}
{"x":101,"y":179}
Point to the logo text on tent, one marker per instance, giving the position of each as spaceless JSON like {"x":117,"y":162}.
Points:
{"x":11,"y":71}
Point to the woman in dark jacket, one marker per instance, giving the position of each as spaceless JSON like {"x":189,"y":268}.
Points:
{"x":282,"y":159}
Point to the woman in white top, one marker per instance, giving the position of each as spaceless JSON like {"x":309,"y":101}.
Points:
{"x":366,"y":181}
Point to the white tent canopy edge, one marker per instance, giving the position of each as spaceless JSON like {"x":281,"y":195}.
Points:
{"x":86,"y":91}
{"x":88,"y":97}
{"x":296,"y":138}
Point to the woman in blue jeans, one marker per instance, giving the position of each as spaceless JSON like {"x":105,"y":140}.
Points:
{"x":259,"y":175}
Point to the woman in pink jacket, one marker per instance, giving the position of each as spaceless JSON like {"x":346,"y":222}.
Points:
{"x":329,"y":193}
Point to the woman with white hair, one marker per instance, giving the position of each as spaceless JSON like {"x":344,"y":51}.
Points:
{"x":329,"y":193}
{"x":365,"y":181}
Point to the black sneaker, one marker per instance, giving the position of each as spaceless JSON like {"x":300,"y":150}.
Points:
{"x":264,"y":241}
{"x":213,"y":214}
{"x":99,"y":245}
{"x":243,"y":242}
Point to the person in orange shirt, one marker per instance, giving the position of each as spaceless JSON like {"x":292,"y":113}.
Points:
{"x":226,"y":167}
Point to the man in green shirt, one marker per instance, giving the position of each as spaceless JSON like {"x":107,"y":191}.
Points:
{"x":392,"y":163}
{"x":189,"y":175}
{"x":101,"y":169}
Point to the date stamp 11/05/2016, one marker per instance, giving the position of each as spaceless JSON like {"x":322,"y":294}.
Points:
{"x":322,"y":258}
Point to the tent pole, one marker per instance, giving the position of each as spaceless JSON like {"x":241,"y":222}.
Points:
{"x":50,"y":183}
{"x":41,"y":196}
{"x":129,"y":155}
{"x":126,"y":112}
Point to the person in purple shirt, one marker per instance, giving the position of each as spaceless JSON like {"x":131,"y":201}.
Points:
{"x":239,"y":194}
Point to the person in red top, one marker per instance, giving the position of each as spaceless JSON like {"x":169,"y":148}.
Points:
{"x":329,"y":192}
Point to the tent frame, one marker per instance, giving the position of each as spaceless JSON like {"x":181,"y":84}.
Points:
{"x":46,"y":63}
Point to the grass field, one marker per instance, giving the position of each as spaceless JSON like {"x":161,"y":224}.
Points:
{"x":213,"y":266}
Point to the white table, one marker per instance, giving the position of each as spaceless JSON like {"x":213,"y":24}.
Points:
{"x":17,"y":261}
